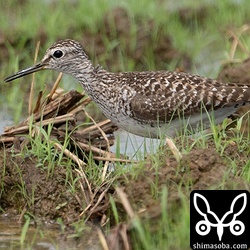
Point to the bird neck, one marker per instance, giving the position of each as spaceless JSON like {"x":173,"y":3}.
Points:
{"x":83,"y":72}
{"x":88,"y":74}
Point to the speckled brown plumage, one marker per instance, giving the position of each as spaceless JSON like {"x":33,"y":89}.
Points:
{"x":145,"y":103}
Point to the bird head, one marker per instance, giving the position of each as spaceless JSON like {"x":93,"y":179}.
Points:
{"x":67,"y":56}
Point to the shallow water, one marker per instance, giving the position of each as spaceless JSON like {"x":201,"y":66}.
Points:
{"x":40,"y":238}
{"x":133,"y":146}
{"x":6,"y":118}
{"x":10,"y":236}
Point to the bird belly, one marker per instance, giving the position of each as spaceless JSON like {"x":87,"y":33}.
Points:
{"x":173,"y":128}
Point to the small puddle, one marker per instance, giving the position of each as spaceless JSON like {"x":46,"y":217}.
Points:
{"x":10,"y":236}
{"x":40,"y":238}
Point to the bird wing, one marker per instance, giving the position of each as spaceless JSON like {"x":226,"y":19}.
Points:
{"x":156,"y":108}
{"x":165,"y":97}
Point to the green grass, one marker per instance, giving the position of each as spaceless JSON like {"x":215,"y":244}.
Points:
{"x":170,"y":229}
{"x":201,"y":36}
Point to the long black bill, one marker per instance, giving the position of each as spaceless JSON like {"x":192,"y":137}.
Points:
{"x":24,"y":72}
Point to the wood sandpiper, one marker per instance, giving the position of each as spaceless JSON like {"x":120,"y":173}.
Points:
{"x":148,"y":104}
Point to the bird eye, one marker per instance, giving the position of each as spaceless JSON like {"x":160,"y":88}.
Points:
{"x":58,"y":54}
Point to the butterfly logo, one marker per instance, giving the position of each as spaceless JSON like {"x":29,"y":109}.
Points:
{"x":203,"y":227}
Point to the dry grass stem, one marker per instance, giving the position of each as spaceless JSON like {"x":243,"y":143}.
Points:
{"x":102,"y":239}
{"x":55,"y":86}
{"x":99,"y":128}
{"x":177,"y":154}
{"x":112,"y":159}
{"x":124,"y":200}
{"x":99,"y":151}
{"x":25,"y":128}
{"x":236,"y":41}
{"x":72,"y":156}
{"x":88,"y":197}
{"x":31,"y":96}
{"x":93,"y":127}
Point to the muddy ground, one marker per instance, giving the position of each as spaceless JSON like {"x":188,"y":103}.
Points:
{"x":199,"y":169}
{"x":26,"y":188}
